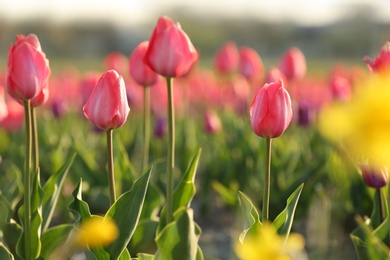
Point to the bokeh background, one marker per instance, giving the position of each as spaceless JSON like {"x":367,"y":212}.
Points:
{"x":83,"y":31}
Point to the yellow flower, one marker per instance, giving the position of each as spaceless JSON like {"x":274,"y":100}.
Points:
{"x":363,"y":124}
{"x":269,"y":245}
{"x":96,"y":231}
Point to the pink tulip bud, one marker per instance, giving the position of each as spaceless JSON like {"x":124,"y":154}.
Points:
{"x":141,"y":73}
{"x":212,"y":123}
{"x":341,"y":88}
{"x":27,"y":68}
{"x":87,"y":84}
{"x":381,"y":62}
{"x":3,"y":105}
{"x":293,"y":64}
{"x":271,"y":111}
{"x":170,"y":52}
{"x":374,"y":177}
{"x":273,"y":75}
{"x":107,"y":106}
{"x":42,"y":97}
{"x":227,"y":58}
{"x":13,"y":122}
{"x":251,"y":65}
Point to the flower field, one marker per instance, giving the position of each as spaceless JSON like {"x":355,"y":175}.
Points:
{"x":159,"y":157}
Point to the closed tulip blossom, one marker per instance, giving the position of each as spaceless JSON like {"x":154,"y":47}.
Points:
{"x":374,"y":177}
{"x":293,"y":64}
{"x":212,"y":123}
{"x":27,"y":68}
{"x":227,"y":58}
{"x":251,"y":65}
{"x":170,"y":52}
{"x":139,"y":71}
{"x":3,"y":105}
{"x":107,"y":105}
{"x":271,"y":111}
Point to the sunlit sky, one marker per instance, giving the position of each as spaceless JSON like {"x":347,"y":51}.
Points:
{"x":306,"y":12}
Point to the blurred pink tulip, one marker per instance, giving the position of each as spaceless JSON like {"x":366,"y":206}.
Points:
{"x":273,"y":75}
{"x":87,"y":84}
{"x":13,"y":122}
{"x":293,"y":64}
{"x":139,"y":71}
{"x":27,"y":68}
{"x":107,"y":106}
{"x":227,"y":58}
{"x":381,"y":62}
{"x":271,"y":111}
{"x":251,"y":65}
{"x":212,"y":123}
{"x":170,"y":52}
{"x":3,"y":105}
{"x":341,"y":88}
{"x":374,"y":177}
{"x":116,"y":61}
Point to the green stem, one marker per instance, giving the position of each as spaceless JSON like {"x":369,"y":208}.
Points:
{"x":267,"y":181}
{"x":111,"y":173}
{"x":27,"y":181}
{"x":35,"y":147}
{"x":171,"y":150}
{"x":380,"y":203}
{"x":145,"y":157}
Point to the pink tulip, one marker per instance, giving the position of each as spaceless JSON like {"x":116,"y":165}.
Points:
{"x":87,"y":84}
{"x":3,"y":105}
{"x":374,"y":177}
{"x":227,"y":58}
{"x":141,"y":73}
{"x":271,"y":111}
{"x":170,"y":52}
{"x":212,"y":123}
{"x":293,"y":64}
{"x":274,"y":74}
{"x":381,"y":62}
{"x":251,"y":65}
{"x":115,"y":61}
{"x":13,"y":122}
{"x":107,"y":106}
{"x":341,"y":88}
{"x":27,"y":68}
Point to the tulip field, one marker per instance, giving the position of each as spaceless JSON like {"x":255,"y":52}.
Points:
{"x":160,"y":157}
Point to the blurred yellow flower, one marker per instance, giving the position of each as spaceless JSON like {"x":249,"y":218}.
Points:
{"x":269,"y":245}
{"x":363,"y":124}
{"x":96,"y":231}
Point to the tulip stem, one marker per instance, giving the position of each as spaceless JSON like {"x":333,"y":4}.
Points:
{"x":380,"y":204}
{"x":267,"y":180}
{"x":171,"y":151}
{"x":27,"y":181}
{"x":111,"y":174}
{"x":145,"y":157}
{"x":35,"y":147}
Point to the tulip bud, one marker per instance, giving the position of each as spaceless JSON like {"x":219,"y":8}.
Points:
{"x":251,"y":65}
{"x":13,"y":122}
{"x":160,"y":127}
{"x":212,"y":123}
{"x":141,"y":73}
{"x":273,"y":75}
{"x":227,"y":58}
{"x":293,"y":64}
{"x":3,"y":105}
{"x":107,"y":106}
{"x":170,"y":52}
{"x":41,"y":98}
{"x":27,"y":68}
{"x":271,"y":111}
{"x":374,"y":177}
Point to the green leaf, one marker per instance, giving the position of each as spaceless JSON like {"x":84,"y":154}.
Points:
{"x":250,"y":216}
{"x":6,"y":211}
{"x":126,"y":212}
{"x":11,"y":235}
{"x":185,"y":190}
{"x":37,"y":195}
{"x":153,"y":202}
{"x":375,"y":219}
{"x":52,"y":190}
{"x":179,"y":239}
{"x":283,"y":222}
{"x":143,"y":237}
{"x":4,"y":253}
{"x":142,"y":256}
{"x":367,"y":244}
{"x":54,"y":237}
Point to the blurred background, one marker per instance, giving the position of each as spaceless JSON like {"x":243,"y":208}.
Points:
{"x":85,"y":30}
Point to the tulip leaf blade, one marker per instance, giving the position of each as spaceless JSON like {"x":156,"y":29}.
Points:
{"x":250,"y":216}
